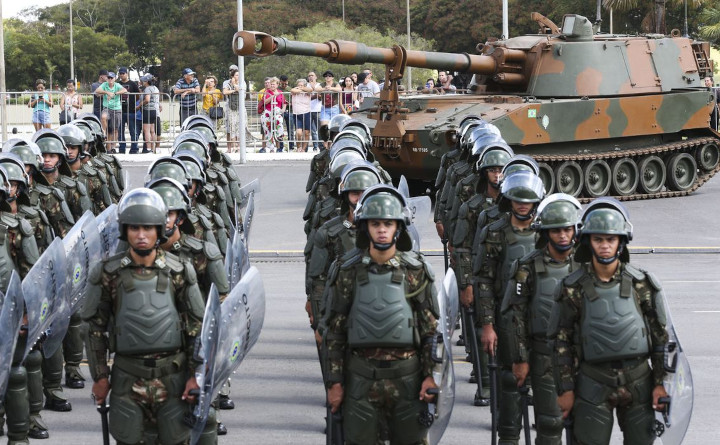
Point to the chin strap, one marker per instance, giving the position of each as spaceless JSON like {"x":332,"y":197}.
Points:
{"x":612,"y":258}
{"x":383,"y":246}
{"x":49,"y":170}
{"x":143,"y":252}
{"x":73,"y":160}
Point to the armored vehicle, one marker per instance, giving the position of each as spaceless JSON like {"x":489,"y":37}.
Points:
{"x":602,"y":114}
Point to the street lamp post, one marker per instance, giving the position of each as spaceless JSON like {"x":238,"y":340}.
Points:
{"x":241,"y":103}
{"x":72,"y":57}
{"x":409,"y":69}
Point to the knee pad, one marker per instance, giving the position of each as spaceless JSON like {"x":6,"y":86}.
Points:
{"x":126,"y":419}
{"x":360,"y":418}
{"x":636,"y":423}
{"x":33,"y":364}
{"x":170,"y":425}
{"x":17,"y":408}
{"x":592,"y":424}
{"x":510,"y":413}
{"x":209,"y":434}
{"x":52,"y":368}
{"x":549,"y":426}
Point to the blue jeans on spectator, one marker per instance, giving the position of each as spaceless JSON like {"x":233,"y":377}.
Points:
{"x":187,"y":112}
{"x":129,"y":118}
{"x":314,"y":122}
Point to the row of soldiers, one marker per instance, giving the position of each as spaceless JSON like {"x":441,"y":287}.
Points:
{"x":46,"y":184}
{"x":370,"y":298}
{"x":519,"y":257}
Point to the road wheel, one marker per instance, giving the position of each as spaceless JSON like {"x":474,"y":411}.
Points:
{"x":625,"y":177}
{"x":652,"y":174}
{"x":597,"y":178}
{"x":569,"y":178}
{"x":681,"y":172}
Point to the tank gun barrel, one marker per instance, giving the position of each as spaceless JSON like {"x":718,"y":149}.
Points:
{"x":252,"y":43}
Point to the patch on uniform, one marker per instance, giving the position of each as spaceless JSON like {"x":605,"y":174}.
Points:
{"x":44,"y":309}
{"x":235,"y":351}
{"x":532,"y":113}
{"x":77,"y":273}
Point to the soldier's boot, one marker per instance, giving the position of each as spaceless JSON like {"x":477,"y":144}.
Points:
{"x":510,"y":411}
{"x":224,"y":401}
{"x":33,"y":364}
{"x":73,"y":350}
{"x":17,"y":407}
{"x":52,"y":369}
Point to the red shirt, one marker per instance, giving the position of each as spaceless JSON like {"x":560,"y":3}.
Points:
{"x":278,"y":100}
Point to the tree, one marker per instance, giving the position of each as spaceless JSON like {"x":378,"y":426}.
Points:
{"x":654,"y":11}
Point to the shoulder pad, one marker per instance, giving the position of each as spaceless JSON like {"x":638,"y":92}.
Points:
{"x":101,"y":176}
{"x":42,"y":189}
{"x":25,"y":227}
{"x":574,"y":277}
{"x":58,"y":194}
{"x":232,"y":174}
{"x":67,"y":181}
{"x":209,"y":187}
{"x":654,"y":282}
{"x":493,"y":212}
{"x":81,"y":188}
{"x":333,"y":226}
{"x":114,"y":263}
{"x":412,"y":260}
{"x":226,"y":159}
{"x":194,"y":244}
{"x":530,"y":257}
{"x":116,"y":161}
{"x":498,"y":225}
{"x":30,"y":211}
{"x":204,"y":211}
{"x":351,"y":258}
{"x":205,"y":222}
{"x":212,"y":252}
{"x":467,"y":180}
{"x":211,"y":173}
{"x":9,"y":220}
{"x":174,"y":263}
{"x":464,"y":210}
{"x":636,"y":273}
{"x":429,"y":270}
{"x":218,"y":221}
{"x":95,"y":273}
{"x":99,"y":163}
{"x":220,"y":193}
{"x":482,"y":236}
{"x":221,"y":177}
{"x":89,"y":170}
{"x":514,"y":266}
{"x":193,"y":218}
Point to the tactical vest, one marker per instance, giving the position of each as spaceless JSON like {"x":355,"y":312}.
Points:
{"x":517,"y":245}
{"x":547,"y":279}
{"x":612,"y":326}
{"x":146,"y":319}
{"x":380,"y":315}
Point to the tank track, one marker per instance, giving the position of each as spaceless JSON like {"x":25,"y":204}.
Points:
{"x":685,"y":146}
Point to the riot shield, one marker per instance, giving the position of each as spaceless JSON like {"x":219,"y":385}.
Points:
{"x":109,"y":230}
{"x":251,"y":188}
{"x":242,"y":316}
{"x":11,"y":314}
{"x":420,"y":210}
{"x":445,"y":378}
{"x":237,"y":260}
{"x":83,"y":248}
{"x":248,"y":217}
{"x":403,"y":187}
{"x":679,"y":386}
{"x":44,"y":291}
{"x":206,"y":354}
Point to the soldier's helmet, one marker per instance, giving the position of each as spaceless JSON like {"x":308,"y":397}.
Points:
{"x":353,"y":131}
{"x":206,"y":131}
{"x":73,"y":136}
{"x":194,"y":166}
{"x":86,"y":127}
{"x":187,"y":123}
{"x":495,"y":154}
{"x":336,"y":122}
{"x":521,"y":187}
{"x":4,"y":189}
{"x":27,"y":151}
{"x":556,"y":211}
{"x":604,"y":216}
{"x":521,"y":163}
{"x":342,"y":158}
{"x":168,"y":167}
{"x":173,"y":194}
{"x":348,"y":141}
{"x":15,"y":170}
{"x":362,"y":129}
{"x":479,"y":130}
{"x":192,"y":141}
{"x":50,"y":142}
{"x":94,"y":122}
{"x":383,"y":202}
{"x":142,"y":207}
{"x":358,"y":176}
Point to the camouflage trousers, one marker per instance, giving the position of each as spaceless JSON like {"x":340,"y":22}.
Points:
{"x":146,"y":405}
{"x":383,"y":397}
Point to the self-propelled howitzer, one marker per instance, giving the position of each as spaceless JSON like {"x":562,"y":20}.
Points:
{"x":603,"y":114}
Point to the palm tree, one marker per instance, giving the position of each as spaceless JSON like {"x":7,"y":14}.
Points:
{"x":711,"y":31}
{"x":655,"y":14}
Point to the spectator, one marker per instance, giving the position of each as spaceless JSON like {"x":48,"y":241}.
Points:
{"x":315,"y":108}
{"x":150,"y":107}
{"x":112,"y":104}
{"x":714,"y":112}
{"x":301,"y":113}
{"x":129,"y":99}
{"x":211,"y":96}
{"x":429,"y":86}
{"x":41,"y":102}
{"x":348,"y":96}
{"x":283,"y":86}
{"x":330,"y":100}
{"x":354,"y":77}
{"x":97,"y":99}
{"x":274,"y":103}
{"x":261,"y":110}
{"x":366,"y":86}
{"x":187,"y":87}
{"x":231,"y":90}
{"x":70,"y":103}
{"x":445,"y":80}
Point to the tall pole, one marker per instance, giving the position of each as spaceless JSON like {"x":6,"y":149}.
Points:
{"x":3,"y":96}
{"x":506,"y":28}
{"x":241,"y":107}
{"x":686,"y":27}
{"x":343,"y":8}
{"x":409,"y":69}
{"x":72,"y":57}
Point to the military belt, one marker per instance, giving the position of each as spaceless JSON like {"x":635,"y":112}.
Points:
{"x":151,"y":368}
{"x":383,"y":369}
{"x":610,"y":375}
{"x":540,"y":345}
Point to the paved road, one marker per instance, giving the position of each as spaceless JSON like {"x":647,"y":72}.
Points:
{"x":278,"y":390}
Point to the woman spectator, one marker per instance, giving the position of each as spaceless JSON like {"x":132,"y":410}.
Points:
{"x":70,"y":103}
{"x":211,"y":97}
{"x":301,"y":113}
{"x":348,"y":96}
{"x":272,"y":117}
{"x":231,"y":90}
{"x":41,"y":102}
{"x":112,"y":108}
{"x":354,"y":77}
{"x":150,"y":106}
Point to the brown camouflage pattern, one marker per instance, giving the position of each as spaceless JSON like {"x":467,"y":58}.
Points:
{"x":51,"y":205}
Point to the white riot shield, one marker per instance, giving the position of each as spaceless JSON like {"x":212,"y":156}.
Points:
{"x":251,"y":188}
{"x":207,"y":353}
{"x":248,"y":217}
{"x":243,"y":313}
{"x":420,"y":210}
{"x":679,"y":386}
{"x":445,"y":378}
{"x":237,"y":260}
{"x":403,"y":187}
{"x":83,"y":248}
{"x":45,"y":295}
{"x":109,"y":230}
{"x":11,"y":315}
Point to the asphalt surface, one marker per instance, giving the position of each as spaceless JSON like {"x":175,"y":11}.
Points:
{"x":278,"y":390}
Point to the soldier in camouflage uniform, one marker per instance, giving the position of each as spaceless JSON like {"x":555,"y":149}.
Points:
{"x":381,"y":377}
{"x":337,"y":236}
{"x":489,"y":167}
{"x":529,"y":299}
{"x":113,"y":168}
{"x":42,"y":196}
{"x":607,"y":323}
{"x":57,"y":172}
{"x":93,"y":179}
{"x":19,"y":252}
{"x":501,"y":244}
{"x":152,"y":376}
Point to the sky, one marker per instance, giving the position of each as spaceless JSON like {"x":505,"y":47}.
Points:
{"x":11,"y":8}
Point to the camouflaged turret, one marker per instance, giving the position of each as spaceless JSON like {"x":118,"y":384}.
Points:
{"x":602,"y":114}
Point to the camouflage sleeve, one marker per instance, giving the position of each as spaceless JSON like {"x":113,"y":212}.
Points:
{"x":425,"y":308}
{"x":521,"y":293}
{"x":191,"y":307}
{"x":566,"y":316}
{"x":97,"y":312}
{"x":656,"y":326}
{"x":336,"y":335}
{"x":488,"y":258}
{"x":59,"y":220}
